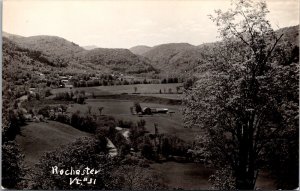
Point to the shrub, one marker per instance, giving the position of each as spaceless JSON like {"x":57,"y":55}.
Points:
{"x":125,"y":124}
{"x":48,"y":92}
{"x":137,"y":107}
{"x":44,"y":111}
{"x":12,"y":165}
{"x":85,"y":152}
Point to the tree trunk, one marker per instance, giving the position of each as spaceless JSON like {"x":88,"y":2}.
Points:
{"x":245,"y":177}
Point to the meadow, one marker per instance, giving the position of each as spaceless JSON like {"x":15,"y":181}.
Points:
{"x":195,"y":176}
{"x":141,"y":89}
{"x":37,"y":138}
{"x":120,"y":109}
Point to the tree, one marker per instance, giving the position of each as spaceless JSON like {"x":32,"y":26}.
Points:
{"x":80,"y":98}
{"x":137,"y":107}
{"x":100,"y":110}
{"x":64,"y":108}
{"x":135,"y":177}
{"x":147,"y":151}
{"x":12,"y":165}
{"x":189,"y":83}
{"x":85,"y":152}
{"x":177,"y":89}
{"x":131,"y":110}
{"x":89,"y":107}
{"x":238,"y":105}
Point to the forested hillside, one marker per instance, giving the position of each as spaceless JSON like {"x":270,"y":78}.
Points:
{"x":121,"y":60}
{"x":179,"y":58}
{"x":140,"y":50}
{"x":58,"y":52}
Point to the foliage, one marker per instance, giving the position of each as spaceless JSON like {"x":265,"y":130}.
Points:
{"x":12,"y":165}
{"x":138,"y":108}
{"x":241,"y":104}
{"x":84,"y":123}
{"x":224,"y":179}
{"x":135,"y":177}
{"x":77,"y":97}
{"x":189,"y":83}
{"x":85,"y":152}
{"x":14,"y":121}
{"x":125,"y":124}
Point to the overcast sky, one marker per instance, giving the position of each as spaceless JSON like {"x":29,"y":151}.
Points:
{"x":126,"y":23}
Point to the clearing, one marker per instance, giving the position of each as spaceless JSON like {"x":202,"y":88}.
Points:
{"x":120,"y":109}
{"x":142,"y":89}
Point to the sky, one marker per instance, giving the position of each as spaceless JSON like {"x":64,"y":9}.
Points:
{"x":127,"y":23}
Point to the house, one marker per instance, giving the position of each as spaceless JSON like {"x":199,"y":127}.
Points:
{"x":162,"y":110}
{"x":149,"y":111}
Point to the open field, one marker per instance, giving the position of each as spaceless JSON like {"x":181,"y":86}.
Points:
{"x":37,"y":138}
{"x":120,"y":109}
{"x":195,"y":176}
{"x":168,"y":96}
{"x":142,"y":89}
{"x":188,"y":176}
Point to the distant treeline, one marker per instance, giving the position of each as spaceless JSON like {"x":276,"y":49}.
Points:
{"x":111,"y":81}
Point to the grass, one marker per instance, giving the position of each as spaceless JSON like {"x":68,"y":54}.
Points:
{"x":120,"y":109}
{"x":139,"y":98}
{"x":188,"y":176}
{"x":142,"y":89}
{"x":37,"y":138}
{"x":193,"y":176}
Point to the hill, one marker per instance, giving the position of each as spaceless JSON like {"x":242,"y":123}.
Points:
{"x":291,"y":34}
{"x":59,"y":52}
{"x":140,"y":50}
{"x":56,"y":48}
{"x":21,"y":65}
{"x":186,"y":59}
{"x":89,"y":47}
{"x":164,"y":52}
{"x":121,"y":60}
{"x":174,"y":58}
{"x":11,"y":36}
{"x":37,"y":138}
{"x":168,"y":59}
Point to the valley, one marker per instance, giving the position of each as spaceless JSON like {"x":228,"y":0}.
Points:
{"x":58,"y":96}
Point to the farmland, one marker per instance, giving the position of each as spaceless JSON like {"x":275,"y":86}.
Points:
{"x":167,"y":123}
{"x":136,"y":117}
{"x":167,"y":90}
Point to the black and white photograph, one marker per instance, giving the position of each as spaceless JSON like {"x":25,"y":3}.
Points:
{"x":150,"y":95}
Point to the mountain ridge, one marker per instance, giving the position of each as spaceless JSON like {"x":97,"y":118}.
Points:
{"x":140,"y":49}
{"x":60,"y":52}
{"x":171,"y":58}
